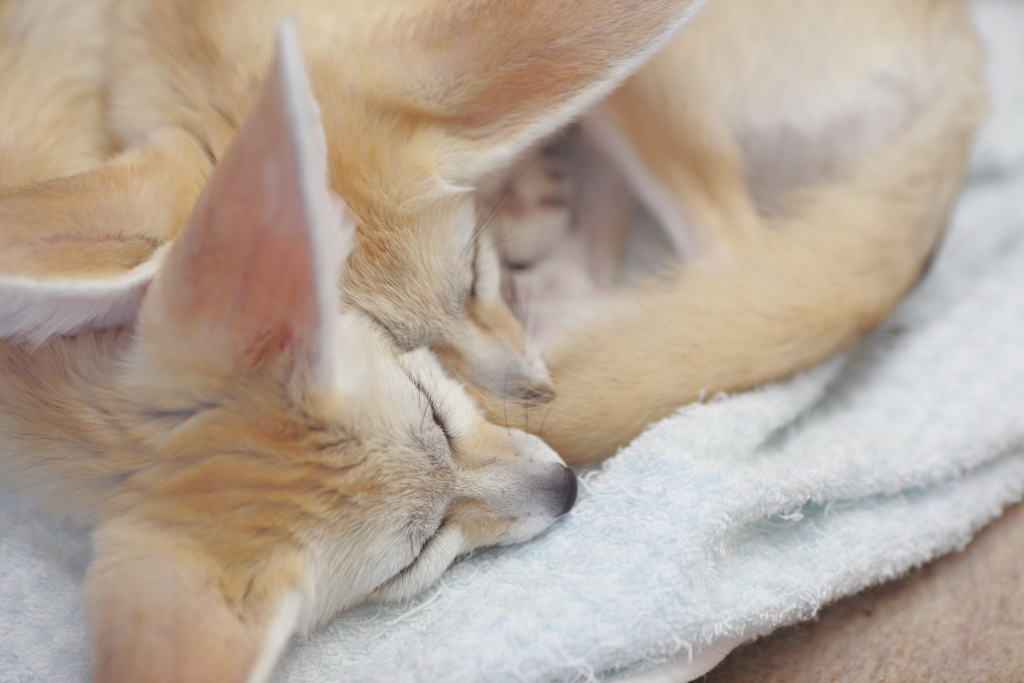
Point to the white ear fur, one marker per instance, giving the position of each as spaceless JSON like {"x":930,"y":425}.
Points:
{"x":256,"y":267}
{"x":331,"y":229}
{"x":35,"y":309}
{"x":505,"y":74}
{"x":279,"y":631}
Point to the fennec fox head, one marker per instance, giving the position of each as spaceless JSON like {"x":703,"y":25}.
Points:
{"x":266,"y":458}
{"x":445,"y":96}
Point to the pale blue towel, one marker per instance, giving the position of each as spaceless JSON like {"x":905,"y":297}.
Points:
{"x":723,"y":522}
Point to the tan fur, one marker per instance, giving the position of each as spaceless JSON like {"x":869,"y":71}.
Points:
{"x":813,"y":151}
{"x":252,"y":459}
{"x":420,"y":101}
{"x":136,"y":217}
{"x":162,"y":434}
{"x":53,"y":106}
{"x":51,"y":55}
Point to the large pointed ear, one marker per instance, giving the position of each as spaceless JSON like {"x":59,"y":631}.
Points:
{"x":162,"y":610}
{"x":506,"y":72}
{"x":255,"y":270}
{"x":35,"y":306}
{"x":78,"y":252}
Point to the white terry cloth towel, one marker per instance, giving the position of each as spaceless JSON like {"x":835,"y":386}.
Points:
{"x":725,"y":521}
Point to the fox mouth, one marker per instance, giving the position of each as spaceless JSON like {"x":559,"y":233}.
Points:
{"x":424,"y":549}
{"x":435,"y":555}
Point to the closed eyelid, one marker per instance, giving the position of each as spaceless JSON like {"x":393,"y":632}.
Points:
{"x":435,"y":413}
{"x":476,"y":267}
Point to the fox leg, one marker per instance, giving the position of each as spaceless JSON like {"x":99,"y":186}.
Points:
{"x":68,"y":206}
{"x":529,"y":210}
{"x":558,"y":223}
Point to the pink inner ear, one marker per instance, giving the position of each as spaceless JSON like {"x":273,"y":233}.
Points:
{"x":245,"y":273}
{"x":247,"y":265}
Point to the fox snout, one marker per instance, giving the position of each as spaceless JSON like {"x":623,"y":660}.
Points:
{"x":506,"y":372}
{"x":561,"y":485}
{"x":529,"y":390}
{"x":555,"y":483}
{"x":528,"y":496}
{"x":529,"y":490}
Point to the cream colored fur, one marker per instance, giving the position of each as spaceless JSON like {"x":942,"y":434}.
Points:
{"x":420,"y":103}
{"x":253,"y":456}
{"x":803,"y":159}
{"x":256,"y":456}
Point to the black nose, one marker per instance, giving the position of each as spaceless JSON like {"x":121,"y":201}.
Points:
{"x":571,"y":487}
{"x":531,"y":392}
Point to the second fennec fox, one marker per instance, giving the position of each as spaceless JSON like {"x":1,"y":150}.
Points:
{"x":253,"y":459}
{"x":421,"y":101}
{"x":805,"y":173}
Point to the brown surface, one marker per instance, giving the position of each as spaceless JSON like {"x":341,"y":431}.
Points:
{"x":960,"y":618}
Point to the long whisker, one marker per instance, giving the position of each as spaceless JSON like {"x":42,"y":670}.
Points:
{"x":561,"y":143}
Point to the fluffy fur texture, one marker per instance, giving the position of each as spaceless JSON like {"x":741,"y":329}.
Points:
{"x":252,"y":457}
{"x":802,"y":159}
{"x":257,"y":457}
{"x":420,"y":101}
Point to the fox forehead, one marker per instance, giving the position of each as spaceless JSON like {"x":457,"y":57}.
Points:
{"x":416,"y":250}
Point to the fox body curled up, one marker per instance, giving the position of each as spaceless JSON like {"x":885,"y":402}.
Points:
{"x":255,"y":409}
{"x":223,"y":341}
{"x":253,"y":457}
{"x":803,"y":160}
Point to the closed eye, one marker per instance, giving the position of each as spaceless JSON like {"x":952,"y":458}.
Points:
{"x":435,"y":414}
{"x":424,"y":548}
{"x":476,"y":269}
{"x":178,"y":414}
